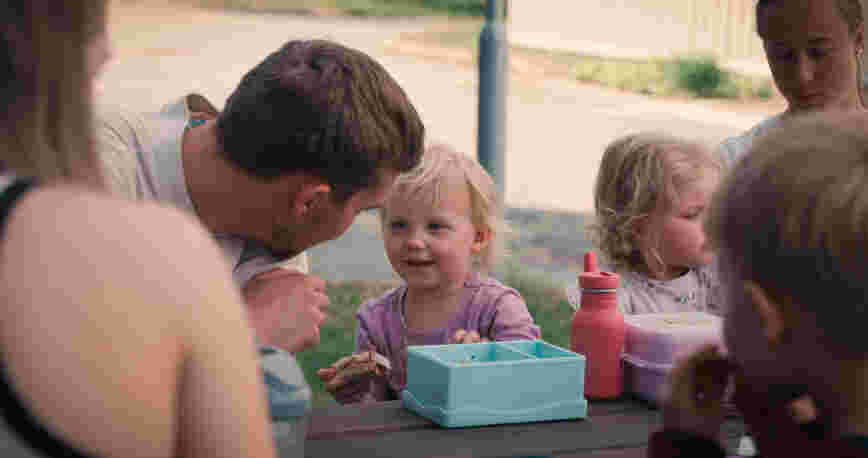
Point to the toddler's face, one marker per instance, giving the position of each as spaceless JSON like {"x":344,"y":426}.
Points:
{"x":677,"y":232}
{"x":431,"y":244}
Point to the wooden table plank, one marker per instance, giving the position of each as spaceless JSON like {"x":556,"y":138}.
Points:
{"x":615,"y":429}
{"x":333,"y":421}
{"x":542,"y":438}
{"x":632,"y":452}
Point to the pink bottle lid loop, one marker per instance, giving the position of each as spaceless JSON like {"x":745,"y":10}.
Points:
{"x":594,"y":281}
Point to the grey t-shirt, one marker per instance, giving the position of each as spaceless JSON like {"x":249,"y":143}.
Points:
{"x":698,"y":290}
{"x":141,"y":158}
{"x":734,"y":148}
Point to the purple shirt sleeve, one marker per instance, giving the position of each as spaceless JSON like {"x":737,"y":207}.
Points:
{"x":378,"y":389}
{"x":511,"y":320}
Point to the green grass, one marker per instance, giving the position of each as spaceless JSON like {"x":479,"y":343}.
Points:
{"x":337,"y":335}
{"x":695,"y":76}
{"x":355,"y":7}
{"x":691,"y":76}
{"x":546,"y":302}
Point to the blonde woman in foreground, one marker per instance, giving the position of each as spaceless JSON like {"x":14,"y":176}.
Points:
{"x":121,"y":333}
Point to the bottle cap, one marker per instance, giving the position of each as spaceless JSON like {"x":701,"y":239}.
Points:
{"x":593,"y":279}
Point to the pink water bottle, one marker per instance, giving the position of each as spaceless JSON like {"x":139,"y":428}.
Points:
{"x":598,"y":331}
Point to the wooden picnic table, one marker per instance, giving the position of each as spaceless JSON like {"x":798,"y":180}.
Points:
{"x":613,"y":429}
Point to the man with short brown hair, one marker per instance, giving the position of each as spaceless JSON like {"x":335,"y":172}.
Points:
{"x":312,"y":136}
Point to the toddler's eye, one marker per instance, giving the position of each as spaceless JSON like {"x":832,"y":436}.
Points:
{"x":397,"y":225}
{"x":436,"y":226}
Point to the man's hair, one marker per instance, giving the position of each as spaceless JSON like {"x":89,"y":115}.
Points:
{"x":792,"y":217}
{"x":320,"y":108}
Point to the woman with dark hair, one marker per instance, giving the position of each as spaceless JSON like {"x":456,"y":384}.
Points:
{"x":114,"y":340}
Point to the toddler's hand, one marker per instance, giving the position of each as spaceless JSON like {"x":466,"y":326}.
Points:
{"x":463,"y":336}
{"x":697,"y":389}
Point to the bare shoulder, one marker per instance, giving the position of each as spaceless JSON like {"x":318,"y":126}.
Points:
{"x":83,"y":239}
{"x":78,"y":222}
{"x":110,"y":294}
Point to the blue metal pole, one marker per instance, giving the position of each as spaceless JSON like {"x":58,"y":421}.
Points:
{"x":493,"y":65}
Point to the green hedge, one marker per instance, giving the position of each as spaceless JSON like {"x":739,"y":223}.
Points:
{"x":457,"y":7}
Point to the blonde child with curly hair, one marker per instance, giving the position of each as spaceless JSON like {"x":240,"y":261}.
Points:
{"x":650,"y":198}
{"x":440,"y":228}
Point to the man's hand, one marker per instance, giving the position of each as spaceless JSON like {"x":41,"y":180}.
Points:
{"x":285,"y":308}
{"x":697,"y":388}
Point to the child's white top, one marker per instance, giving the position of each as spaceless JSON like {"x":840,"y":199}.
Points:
{"x":699,"y":290}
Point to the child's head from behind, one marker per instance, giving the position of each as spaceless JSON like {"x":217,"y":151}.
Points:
{"x":650,"y":197}
{"x":790,"y":226}
{"x":441,"y":219}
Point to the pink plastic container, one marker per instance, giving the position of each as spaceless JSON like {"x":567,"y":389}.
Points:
{"x":656,"y":341}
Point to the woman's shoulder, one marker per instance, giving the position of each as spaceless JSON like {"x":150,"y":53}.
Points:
{"x":70,"y":235}
{"x":734,"y":148}
{"x":94,"y":219}
{"x":84,"y":269}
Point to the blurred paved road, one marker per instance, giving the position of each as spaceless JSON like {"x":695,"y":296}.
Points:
{"x":556,"y":128}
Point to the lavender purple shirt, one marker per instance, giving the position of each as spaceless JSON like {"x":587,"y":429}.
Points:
{"x":495,"y":311}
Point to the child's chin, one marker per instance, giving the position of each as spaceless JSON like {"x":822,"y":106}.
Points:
{"x":415,"y":281}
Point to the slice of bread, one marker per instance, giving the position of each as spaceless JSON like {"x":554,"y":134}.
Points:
{"x":351,"y":368}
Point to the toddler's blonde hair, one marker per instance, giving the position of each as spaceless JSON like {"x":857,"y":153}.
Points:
{"x":639,"y":174}
{"x":438,"y":161}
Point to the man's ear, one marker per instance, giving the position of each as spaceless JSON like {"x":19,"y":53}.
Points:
{"x":770,"y":314}
{"x":311,"y":194}
{"x":481,"y":239}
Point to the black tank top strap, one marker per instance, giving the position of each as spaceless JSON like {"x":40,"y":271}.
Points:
{"x":9,"y":196}
{"x":17,"y":417}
